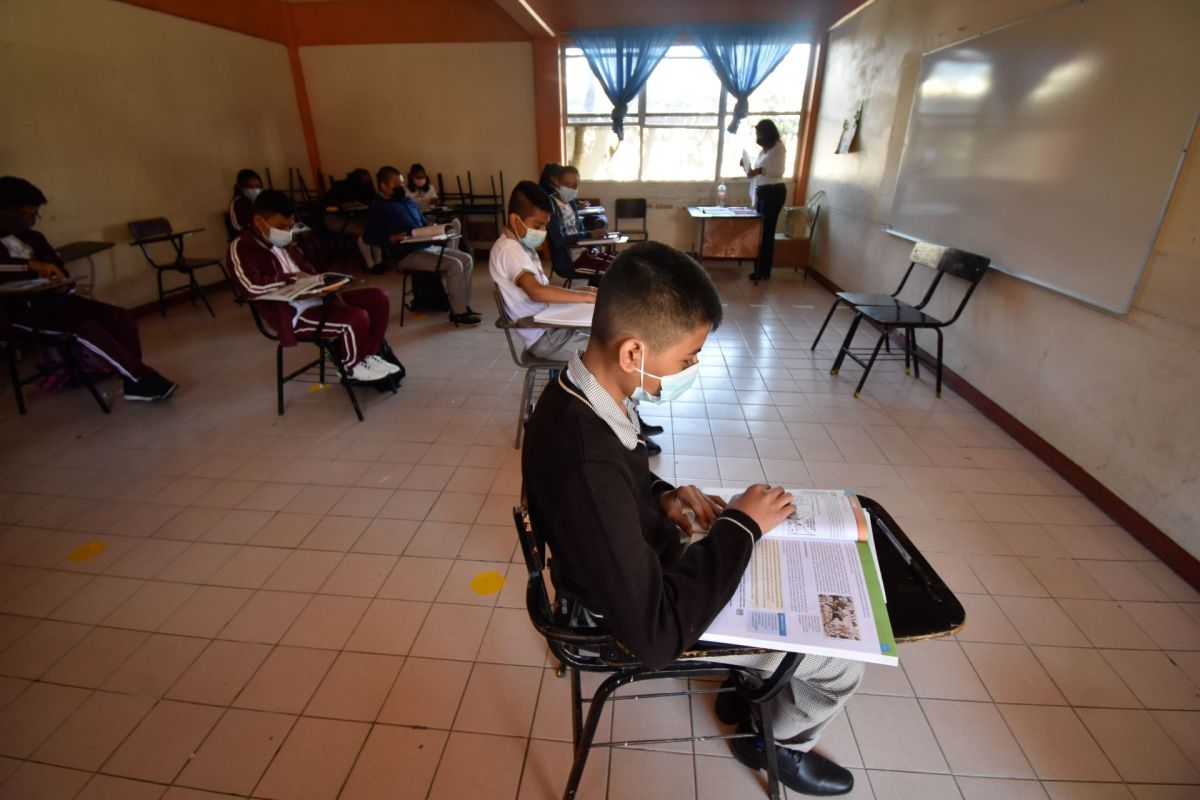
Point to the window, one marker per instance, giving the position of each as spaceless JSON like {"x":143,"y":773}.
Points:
{"x":675,"y":129}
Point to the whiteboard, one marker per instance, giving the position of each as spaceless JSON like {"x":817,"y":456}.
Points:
{"x":1052,"y":145}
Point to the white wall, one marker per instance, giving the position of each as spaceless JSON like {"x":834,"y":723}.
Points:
{"x":1116,"y":394}
{"x":451,"y":107}
{"x":119,"y":113}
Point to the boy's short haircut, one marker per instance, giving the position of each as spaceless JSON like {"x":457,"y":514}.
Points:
{"x":273,"y":201}
{"x":17,"y":192}
{"x":384,"y":173}
{"x":570,"y":168}
{"x":526,"y":198}
{"x":245,"y":175}
{"x":657,"y":293}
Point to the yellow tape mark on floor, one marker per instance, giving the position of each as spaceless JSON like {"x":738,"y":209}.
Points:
{"x":87,"y":551}
{"x":487,"y":583}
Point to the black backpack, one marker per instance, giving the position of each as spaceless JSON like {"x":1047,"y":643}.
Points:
{"x":428,"y":292}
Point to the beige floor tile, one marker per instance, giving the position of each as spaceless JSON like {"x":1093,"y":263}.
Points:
{"x":879,"y":679}
{"x":499,"y":699}
{"x":147,"y":559}
{"x":314,"y":760}
{"x":207,"y":611}
{"x":237,"y":526}
{"x":265,"y":617}
{"x":37,"y":650}
{"x":892,"y":733}
{"x":547,"y":766}
{"x":475,"y":765}
{"x":359,"y":574}
{"x":1168,"y":624}
{"x":1057,"y":744}
{"x":659,"y":718}
{"x":30,"y":718}
{"x":1005,"y":575}
{"x":408,"y":504}
{"x":189,"y":524}
{"x":386,"y":537}
{"x":1154,"y":678}
{"x":1085,"y":678}
{"x":164,"y":742}
{"x":512,"y":639}
{"x":219,"y":673}
{"x":939,"y":669}
{"x":1169,"y":582}
{"x":286,"y":680}
{"x":236,"y":752}
{"x":106,"y":787}
{"x":1106,"y":624}
{"x":438,"y":539}
{"x":990,"y":750}
{"x":427,"y":693}
{"x":452,"y":632}
{"x":10,"y":688}
{"x":1160,"y":792}
{"x":326,"y":622}
{"x":150,"y":606}
{"x":90,"y":735}
{"x":1000,"y":789}
{"x":489,"y":543}
{"x":198,"y":562}
{"x":1012,"y":674}
{"x":1064,"y":578}
{"x":285,"y":529}
{"x":249,"y":567}
{"x":1122,"y":580}
{"x":649,"y":773}
{"x":43,"y":782}
{"x":97,"y":600}
{"x":303,"y":571}
{"x":155,"y":665}
{"x":416,"y":578}
{"x":395,"y":763}
{"x":315,"y":500}
{"x":459,"y":586}
{"x":388,"y":626}
{"x":1139,"y":748}
{"x":361,"y":502}
{"x":1184,"y":729}
{"x":913,"y":786}
{"x":49,"y":591}
{"x":335,"y":533}
{"x":1041,"y":621}
{"x":985,"y":621}
{"x":355,"y":687}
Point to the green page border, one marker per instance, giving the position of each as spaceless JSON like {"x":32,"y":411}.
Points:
{"x":883,"y":623}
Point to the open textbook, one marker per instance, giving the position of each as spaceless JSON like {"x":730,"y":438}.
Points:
{"x":812,"y":585}
{"x":307,"y":286}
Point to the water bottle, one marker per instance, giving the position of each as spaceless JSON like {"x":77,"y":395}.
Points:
{"x":721,"y":194}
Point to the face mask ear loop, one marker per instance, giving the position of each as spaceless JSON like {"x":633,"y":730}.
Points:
{"x":642,"y":369}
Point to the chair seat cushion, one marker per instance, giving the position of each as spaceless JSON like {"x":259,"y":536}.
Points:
{"x":899,"y":314}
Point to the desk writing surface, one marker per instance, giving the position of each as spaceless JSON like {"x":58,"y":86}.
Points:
{"x":608,"y":240}
{"x":590,"y":211}
{"x":567,"y":315}
{"x":722,"y":212}
{"x":77,"y":250}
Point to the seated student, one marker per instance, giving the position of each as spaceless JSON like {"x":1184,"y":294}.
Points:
{"x":566,"y":230}
{"x":356,"y":189}
{"x":524,"y":288}
{"x":420,"y":190}
{"x":108,"y":331}
{"x":264,"y":258}
{"x":392,"y":218}
{"x":568,"y":189}
{"x":612,"y":524}
{"x":241,"y":208}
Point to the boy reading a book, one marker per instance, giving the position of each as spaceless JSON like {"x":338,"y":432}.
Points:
{"x":264,"y":259}
{"x":614,"y":527}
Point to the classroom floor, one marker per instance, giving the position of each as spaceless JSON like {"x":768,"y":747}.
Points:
{"x":202,"y":594}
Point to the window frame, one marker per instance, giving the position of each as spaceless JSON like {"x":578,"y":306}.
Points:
{"x":638,"y":118}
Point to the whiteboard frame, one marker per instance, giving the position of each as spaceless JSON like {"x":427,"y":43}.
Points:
{"x":1162,"y":214}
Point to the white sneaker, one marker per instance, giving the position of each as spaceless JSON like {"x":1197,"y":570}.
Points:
{"x":377,"y":363}
{"x":366,"y":373}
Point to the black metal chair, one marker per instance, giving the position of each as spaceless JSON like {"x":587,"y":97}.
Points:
{"x":158,"y":230}
{"x":895,"y":314}
{"x":593,"y":649}
{"x":927,"y":255}
{"x":328,"y":351}
{"x":407,"y":275}
{"x":64,"y":344}
{"x":530,"y":364}
{"x":632,"y":209}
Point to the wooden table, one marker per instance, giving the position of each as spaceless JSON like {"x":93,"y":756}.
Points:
{"x":726,"y":233}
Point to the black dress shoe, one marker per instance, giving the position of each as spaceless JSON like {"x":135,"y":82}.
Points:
{"x":806,"y":773}
{"x":653,"y":448}
{"x":732,"y":708}
{"x":651,"y":430}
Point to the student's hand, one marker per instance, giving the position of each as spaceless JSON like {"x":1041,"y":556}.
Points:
{"x":767,"y":505}
{"x":50,"y":272}
{"x":599,"y":233}
{"x":397,"y":237}
{"x":706,"y":508}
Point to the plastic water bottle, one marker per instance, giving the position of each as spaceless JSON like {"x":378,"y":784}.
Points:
{"x":721,"y":194}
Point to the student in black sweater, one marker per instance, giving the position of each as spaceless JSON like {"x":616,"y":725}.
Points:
{"x":614,"y":527}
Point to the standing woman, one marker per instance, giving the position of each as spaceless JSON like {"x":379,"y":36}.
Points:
{"x":769,"y":191}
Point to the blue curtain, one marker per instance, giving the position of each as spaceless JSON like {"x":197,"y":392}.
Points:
{"x":623,"y":59}
{"x":743,"y":55}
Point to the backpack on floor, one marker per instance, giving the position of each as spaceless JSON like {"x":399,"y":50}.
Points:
{"x":428,"y":293}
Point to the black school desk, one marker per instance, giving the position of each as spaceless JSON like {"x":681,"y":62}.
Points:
{"x":726,"y":233}
{"x":80,"y":250}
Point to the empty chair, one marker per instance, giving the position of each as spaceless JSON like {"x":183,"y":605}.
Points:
{"x":900,"y":315}
{"x":632,"y":209}
{"x":793,"y":244}
{"x":158,"y":230}
{"x":923,"y":253}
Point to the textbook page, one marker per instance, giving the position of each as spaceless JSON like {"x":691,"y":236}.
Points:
{"x":810,"y":594}
{"x":820,"y":514}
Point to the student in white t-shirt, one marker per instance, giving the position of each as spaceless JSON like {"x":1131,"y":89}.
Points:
{"x":524,"y":288}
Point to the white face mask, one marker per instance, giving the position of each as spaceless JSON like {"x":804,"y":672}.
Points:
{"x":532,"y":239}
{"x":251,"y":194}
{"x":673,"y":386}
{"x":568,"y":195}
{"x":279,"y":238}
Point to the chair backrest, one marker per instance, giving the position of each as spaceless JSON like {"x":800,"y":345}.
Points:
{"x":505,"y":323}
{"x":147,"y":228}
{"x":631,"y":208}
{"x":948,"y":261}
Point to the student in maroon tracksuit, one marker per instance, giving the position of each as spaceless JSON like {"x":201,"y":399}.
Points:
{"x":108,"y":331}
{"x":263,"y":259}
{"x":241,"y":208}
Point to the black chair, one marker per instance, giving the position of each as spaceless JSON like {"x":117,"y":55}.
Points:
{"x":927,"y":255}
{"x":146,"y":232}
{"x":593,"y":649}
{"x":632,"y":209}
{"x":407,"y":275}
{"x":895,"y":314}
{"x":328,"y":351}
{"x":62,"y":343}
{"x":522,"y":360}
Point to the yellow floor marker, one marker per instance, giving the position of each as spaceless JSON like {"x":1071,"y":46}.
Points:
{"x":487,"y":583}
{"x":87,"y":551}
